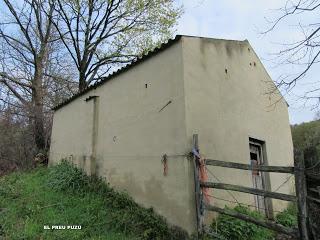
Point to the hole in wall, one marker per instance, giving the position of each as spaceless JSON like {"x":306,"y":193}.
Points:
{"x":250,"y":64}
{"x":146,"y":85}
{"x":226,"y":70}
{"x":254,"y":64}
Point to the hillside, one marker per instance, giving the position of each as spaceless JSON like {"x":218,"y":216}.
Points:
{"x":65,"y":196}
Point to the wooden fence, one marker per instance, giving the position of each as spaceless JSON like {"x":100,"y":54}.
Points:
{"x":307,"y":226}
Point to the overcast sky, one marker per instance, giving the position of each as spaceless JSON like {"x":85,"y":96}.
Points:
{"x":246,"y":19}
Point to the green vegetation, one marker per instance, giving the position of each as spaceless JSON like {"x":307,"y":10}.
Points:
{"x":288,"y":217}
{"x":232,"y":228}
{"x":65,"y":195}
{"x":306,"y":134}
{"x":306,"y":137}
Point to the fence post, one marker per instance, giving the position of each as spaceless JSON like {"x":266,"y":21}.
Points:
{"x":301,"y":192}
{"x":195,"y":146}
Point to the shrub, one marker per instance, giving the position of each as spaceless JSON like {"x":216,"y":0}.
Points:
{"x":67,"y":177}
{"x":236,"y":229}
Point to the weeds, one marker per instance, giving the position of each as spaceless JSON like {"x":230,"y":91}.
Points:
{"x":288,"y":217}
{"x":236,"y":229}
{"x":232,"y":228}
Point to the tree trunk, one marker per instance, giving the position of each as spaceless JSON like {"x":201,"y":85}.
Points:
{"x":39,"y":133}
{"x":37,"y":105}
{"x":82,"y":81}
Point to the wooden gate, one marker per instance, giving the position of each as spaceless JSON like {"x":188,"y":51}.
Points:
{"x":304,"y":230}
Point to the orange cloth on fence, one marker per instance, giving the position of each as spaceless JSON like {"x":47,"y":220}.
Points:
{"x":204,"y":178}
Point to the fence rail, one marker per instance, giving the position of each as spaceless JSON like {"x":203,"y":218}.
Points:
{"x":254,"y":191}
{"x":242,"y":166}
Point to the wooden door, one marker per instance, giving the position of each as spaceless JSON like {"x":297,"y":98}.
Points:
{"x":256,"y":158}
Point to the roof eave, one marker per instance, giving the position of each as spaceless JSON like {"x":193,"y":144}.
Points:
{"x":119,"y":71}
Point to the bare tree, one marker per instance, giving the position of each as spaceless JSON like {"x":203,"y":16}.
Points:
{"x":304,"y":53}
{"x":99,"y":35}
{"x":25,"y":36}
{"x":16,"y":142}
{"x":39,"y":37}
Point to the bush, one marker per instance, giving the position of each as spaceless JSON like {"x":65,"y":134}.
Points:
{"x":67,"y":177}
{"x":236,"y":229}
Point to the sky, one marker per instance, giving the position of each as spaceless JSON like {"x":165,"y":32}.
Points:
{"x":247,"y":19}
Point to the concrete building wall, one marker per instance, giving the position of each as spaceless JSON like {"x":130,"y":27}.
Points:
{"x":226,"y":103}
{"x":215,"y":88}
{"x":137,"y":124}
{"x":72,"y":133}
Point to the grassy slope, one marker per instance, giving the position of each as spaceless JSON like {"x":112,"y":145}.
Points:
{"x":30,"y":200}
{"x":27,"y":204}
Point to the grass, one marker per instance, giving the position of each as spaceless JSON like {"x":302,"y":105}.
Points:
{"x":65,"y":195}
{"x":288,"y":217}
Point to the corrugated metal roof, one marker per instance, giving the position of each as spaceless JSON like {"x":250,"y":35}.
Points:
{"x":162,"y":47}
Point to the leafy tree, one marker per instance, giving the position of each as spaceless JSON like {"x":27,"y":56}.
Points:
{"x":99,"y":34}
{"x":306,"y":136}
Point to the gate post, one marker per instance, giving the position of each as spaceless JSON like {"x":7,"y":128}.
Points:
{"x":198,"y":196}
{"x":301,"y":192}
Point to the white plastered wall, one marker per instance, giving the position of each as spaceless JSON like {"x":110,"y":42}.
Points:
{"x":227,"y":102}
{"x":138,"y":123}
